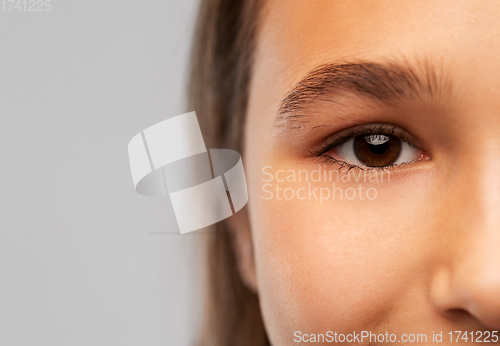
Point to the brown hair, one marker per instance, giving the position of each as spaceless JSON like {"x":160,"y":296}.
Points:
{"x":221,"y":67}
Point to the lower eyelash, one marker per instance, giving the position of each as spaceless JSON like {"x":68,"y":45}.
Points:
{"x":345,"y":166}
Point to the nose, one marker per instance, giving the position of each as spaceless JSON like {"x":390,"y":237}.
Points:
{"x":473,"y":286}
{"x":470,"y":278}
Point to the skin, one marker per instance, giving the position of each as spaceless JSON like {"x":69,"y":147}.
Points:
{"x":423,"y":255}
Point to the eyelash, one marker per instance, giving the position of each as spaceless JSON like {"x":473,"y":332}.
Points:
{"x":320,"y":152}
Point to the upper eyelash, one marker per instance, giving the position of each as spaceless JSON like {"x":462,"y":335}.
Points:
{"x":334,"y":140}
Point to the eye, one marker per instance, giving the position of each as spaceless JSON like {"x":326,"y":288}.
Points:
{"x":370,"y":146}
{"x":377,"y":150}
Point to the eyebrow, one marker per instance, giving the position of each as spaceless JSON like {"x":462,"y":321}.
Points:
{"x":388,"y":82}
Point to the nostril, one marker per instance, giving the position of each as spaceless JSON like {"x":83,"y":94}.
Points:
{"x":475,"y":325}
{"x":480,"y":318}
{"x":458,"y":314}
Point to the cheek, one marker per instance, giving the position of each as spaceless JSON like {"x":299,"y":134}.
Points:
{"x":337,"y":265}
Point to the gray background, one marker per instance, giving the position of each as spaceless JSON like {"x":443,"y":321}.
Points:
{"x":79,"y":264}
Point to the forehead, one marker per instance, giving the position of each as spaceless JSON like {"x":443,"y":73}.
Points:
{"x":296,"y":36}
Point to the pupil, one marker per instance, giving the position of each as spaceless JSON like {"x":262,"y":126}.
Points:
{"x":380,"y":148}
{"x":377,"y":154}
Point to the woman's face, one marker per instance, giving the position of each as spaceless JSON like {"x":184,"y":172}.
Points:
{"x":372,"y":153}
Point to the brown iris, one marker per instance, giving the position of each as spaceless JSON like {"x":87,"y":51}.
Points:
{"x":377,"y":150}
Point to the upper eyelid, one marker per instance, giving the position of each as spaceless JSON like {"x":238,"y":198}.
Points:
{"x":342,"y":136}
